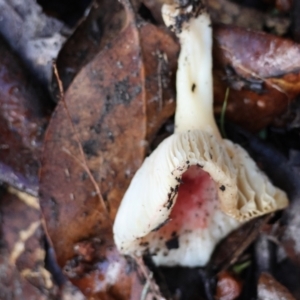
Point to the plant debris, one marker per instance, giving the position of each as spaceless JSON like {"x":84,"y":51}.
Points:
{"x":24,"y":114}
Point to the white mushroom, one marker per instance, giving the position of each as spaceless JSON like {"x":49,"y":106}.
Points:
{"x":195,"y":187}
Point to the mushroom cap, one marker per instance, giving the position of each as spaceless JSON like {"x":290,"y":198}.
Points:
{"x":195,"y":187}
{"x":243,"y":192}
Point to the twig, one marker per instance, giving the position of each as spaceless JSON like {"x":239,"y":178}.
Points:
{"x":222,"y":118}
{"x":150,"y":286}
{"x":84,"y":163}
{"x":250,"y":237}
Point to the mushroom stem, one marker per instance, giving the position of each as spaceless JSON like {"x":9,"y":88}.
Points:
{"x":194,"y":108}
{"x":194,"y":188}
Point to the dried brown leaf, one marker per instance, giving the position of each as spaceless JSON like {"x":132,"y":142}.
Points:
{"x":232,"y":12}
{"x":105,"y":20}
{"x":110,"y":111}
{"x":270,"y":289}
{"x":262,"y":71}
{"x":233,"y":246}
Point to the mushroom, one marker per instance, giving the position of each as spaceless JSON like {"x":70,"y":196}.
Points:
{"x":195,"y":187}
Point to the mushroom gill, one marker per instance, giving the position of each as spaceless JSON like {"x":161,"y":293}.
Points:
{"x":195,"y":187}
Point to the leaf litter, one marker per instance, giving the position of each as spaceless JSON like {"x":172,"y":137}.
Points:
{"x":107,"y":122}
{"x":85,"y":151}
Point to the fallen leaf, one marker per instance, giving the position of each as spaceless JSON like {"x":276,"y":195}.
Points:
{"x":270,"y":289}
{"x":23,"y":117}
{"x":105,"y":20}
{"x":96,"y":140}
{"x":263,"y":80}
{"x":36,"y":37}
{"x":233,"y":246}
{"x":231,"y":12}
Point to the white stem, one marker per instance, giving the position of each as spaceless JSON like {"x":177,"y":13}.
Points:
{"x":194,"y":108}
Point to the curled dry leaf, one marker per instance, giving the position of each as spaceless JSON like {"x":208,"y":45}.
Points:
{"x":270,"y":289}
{"x":263,"y":80}
{"x":97,"y":139}
{"x":36,"y":37}
{"x":23,"y":275}
{"x":23,"y":118}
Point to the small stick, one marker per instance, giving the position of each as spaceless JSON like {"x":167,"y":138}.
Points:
{"x":84,"y":163}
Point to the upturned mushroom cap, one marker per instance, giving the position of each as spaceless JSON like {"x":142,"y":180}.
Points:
{"x":195,"y":187}
{"x":235,"y":191}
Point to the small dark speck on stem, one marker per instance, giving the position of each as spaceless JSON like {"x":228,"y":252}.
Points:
{"x":193,"y":87}
{"x":222,"y":188}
